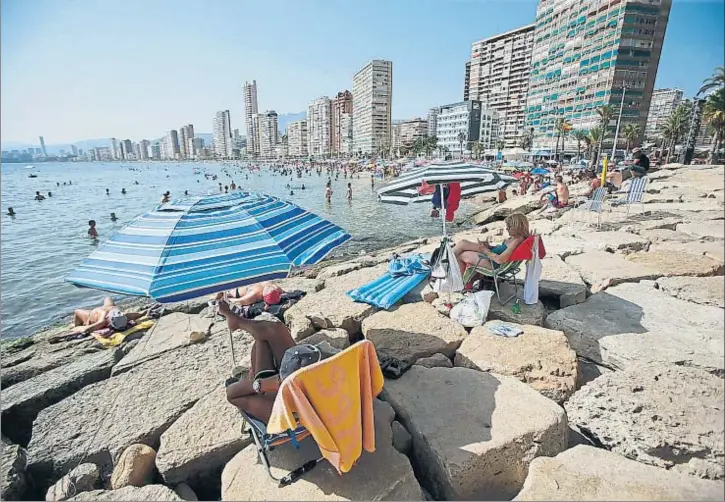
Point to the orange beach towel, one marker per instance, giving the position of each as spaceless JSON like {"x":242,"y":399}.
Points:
{"x":333,"y":399}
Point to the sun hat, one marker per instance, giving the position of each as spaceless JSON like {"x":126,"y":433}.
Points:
{"x":271,"y":296}
{"x":298,"y":357}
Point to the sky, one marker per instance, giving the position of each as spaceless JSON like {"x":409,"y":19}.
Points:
{"x":83,"y":69}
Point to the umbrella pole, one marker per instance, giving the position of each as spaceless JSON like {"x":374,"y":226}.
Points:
{"x":443,"y":210}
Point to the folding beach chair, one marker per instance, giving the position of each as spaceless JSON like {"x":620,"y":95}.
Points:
{"x":266,"y":442}
{"x":635,"y":194}
{"x":595,"y":204}
{"x":508,"y":271}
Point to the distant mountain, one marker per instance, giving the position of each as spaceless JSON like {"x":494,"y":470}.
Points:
{"x":284,"y":119}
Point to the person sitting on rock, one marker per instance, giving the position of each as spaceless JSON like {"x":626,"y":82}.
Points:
{"x":482,"y":254}
{"x":274,"y":357}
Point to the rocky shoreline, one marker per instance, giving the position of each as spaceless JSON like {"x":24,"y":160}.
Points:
{"x":615,"y":389}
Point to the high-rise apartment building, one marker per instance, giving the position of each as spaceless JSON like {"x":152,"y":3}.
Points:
{"x":467,"y":82}
{"x":297,"y":138}
{"x":433,"y":120}
{"x":268,"y":133}
{"x":144,"y":149}
{"x":499,"y":78}
{"x":663,"y":102}
{"x":42,"y":146}
{"x":458,"y":125}
{"x":114,"y":149}
{"x":156,"y":151}
{"x":411,"y":130}
{"x":172,"y":145}
{"x":585,"y":53}
{"x":372,"y":100}
{"x":74,"y":150}
{"x":319,"y":126}
{"x":127,"y":148}
{"x":395,"y":143}
{"x":222,"y":134}
{"x":342,"y":123}
{"x":251,"y":109}
{"x":183,"y":143}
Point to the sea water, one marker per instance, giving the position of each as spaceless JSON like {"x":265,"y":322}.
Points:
{"x":47,"y":239}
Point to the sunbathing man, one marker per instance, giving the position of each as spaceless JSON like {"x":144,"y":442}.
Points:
{"x":271,"y":362}
{"x":483,"y":255}
{"x":268,"y":292}
{"x":105,"y":316}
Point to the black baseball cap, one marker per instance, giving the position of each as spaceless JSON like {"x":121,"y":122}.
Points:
{"x":298,"y":357}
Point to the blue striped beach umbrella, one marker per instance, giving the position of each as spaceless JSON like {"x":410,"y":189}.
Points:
{"x":202,"y":245}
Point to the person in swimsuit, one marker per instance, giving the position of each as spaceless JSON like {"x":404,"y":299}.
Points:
{"x":105,"y":316}
{"x":268,"y":292}
{"x":482,"y":254}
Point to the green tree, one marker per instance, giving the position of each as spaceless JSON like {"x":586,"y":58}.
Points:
{"x":527,"y":139}
{"x":676,"y":127}
{"x":461,"y":140}
{"x":477,"y":149}
{"x":714,"y":82}
{"x":713,"y":113}
{"x":596,"y":136}
{"x":606,"y":114}
{"x":630,"y":132}
{"x":580,"y":136}
{"x":562,"y":127}
{"x":431,"y":143}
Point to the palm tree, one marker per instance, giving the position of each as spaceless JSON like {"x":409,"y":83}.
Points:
{"x":596,"y":136}
{"x":562,"y":126}
{"x":527,"y":139}
{"x":461,"y":140}
{"x":675,"y":127}
{"x":606,"y":114}
{"x":713,"y":112}
{"x":715,"y":81}
{"x":477,"y":149}
{"x":580,"y":136}
{"x":631,"y":133}
{"x":431,"y":143}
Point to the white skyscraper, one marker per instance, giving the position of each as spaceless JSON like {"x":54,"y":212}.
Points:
{"x":319,"y":126}
{"x":268,"y":134}
{"x":664,"y":102}
{"x":297,"y":138}
{"x":372,"y":99}
{"x":250,"y":113}
{"x":222,"y":134}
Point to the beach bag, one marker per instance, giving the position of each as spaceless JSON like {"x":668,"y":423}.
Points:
{"x":472,"y":311}
{"x":533,"y":275}
{"x":445,"y":274}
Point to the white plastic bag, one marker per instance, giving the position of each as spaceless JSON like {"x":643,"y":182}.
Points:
{"x":533,"y":275}
{"x":472,"y":311}
{"x":445,"y":274}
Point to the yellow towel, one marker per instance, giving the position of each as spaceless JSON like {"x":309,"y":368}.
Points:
{"x":118,"y":338}
{"x":333,"y":399}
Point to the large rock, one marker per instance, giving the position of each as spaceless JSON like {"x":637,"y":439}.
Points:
{"x":474,"y":433}
{"x":41,"y":356}
{"x":131,"y":494}
{"x":435,"y":361}
{"x":340,"y":269}
{"x":601,"y":270}
{"x":714,"y":249}
{"x":623,"y":242}
{"x":673,"y":263}
{"x":587,"y":473}
{"x":84,"y":478}
{"x":524,"y":205}
{"x":709,"y":229}
{"x":563,"y":246}
{"x":202,"y":441}
{"x":664,"y":235}
{"x":103,"y":419}
{"x":561,"y":282}
{"x":385,"y":474}
{"x":529,"y":314}
{"x":13,"y":480}
{"x":170,"y":333}
{"x":309,"y":286}
{"x":539,"y":357}
{"x":22,"y":402}
{"x":336,"y":337}
{"x":633,"y":323}
{"x":702,"y":290}
{"x":413,"y":331}
{"x":334,"y":305}
{"x":135,"y":467}
{"x":659,"y":414}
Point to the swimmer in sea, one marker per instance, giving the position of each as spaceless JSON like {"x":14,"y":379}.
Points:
{"x":165,"y":197}
{"x":11,"y":211}
{"x":92,"y":232}
{"x":114,"y":217}
{"x":38,"y":196}
{"x":186,"y":192}
{"x":348,"y":196}
{"x":303,"y":186}
{"x":291,"y":192}
{"x":50,"y":194}
{"x":57,"y":183}
{"x":123,"y":191}
{"x":108,"y":192}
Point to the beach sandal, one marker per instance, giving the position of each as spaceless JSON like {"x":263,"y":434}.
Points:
{"x":505,"y":331}
{"x":393,"y":368}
